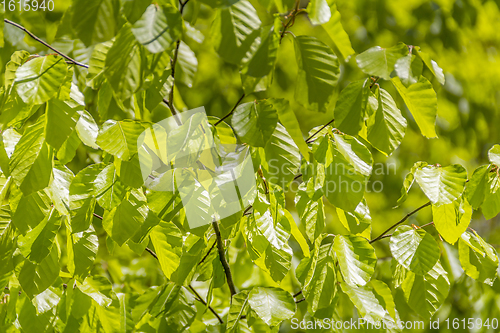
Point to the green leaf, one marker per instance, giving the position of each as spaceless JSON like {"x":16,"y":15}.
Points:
{"x":87,"y":129}
{"x":109,"y":190}
{"x":97,"y":62}
{"x":431,"y":64}
{"x":357,"y":222}
{"x":478,"y":258}
{"x":264,"y":52}
{"x":337,"y":33}
{"x":158,"y":28}
{"x":408,"y":181}
{"x":239,"y":306}
{"x":297,"y":235}
{"x":16,"y":60}
{"x":491,"y":205}
{"x":356,"y":257}
{"x":35,"y":278}
{"x":373,"y":301}
{"x":319,"y":12}
{"x":348,"y":164}
{"x":7,"y":248}
{"x":421,"y":100}
{"x":234,"y":30}
{"x":388,"y":128}
{"x":272,"y":305}
{"x":494,"y":155}
{"x":318,"y":73}
{"x":317,"y":275}
{"x":119,"y":138}
{"x":31,"y":162}
{"x":255,"y":122}
{"x":37,"y":243}
{"x":122,"y":222}
{"x":350,"y":108}
{"x":408,"y":69}
{"x":167,"y":240}
{"x":133,"y":9}
{"x":288,"y":119}
{"x":442,"y":185}
{"x":451,"y":220}
{"x":98,"y":288}
{"x":95,"y":22}
{"x":126,"y":76}
{"x":415,"y":250}
{"x":426,"y":293}
{"x":31,"y":210}
{"x":311,"y":212}
{"x":282,"y":158}
{"x":477,"y":187}
{"x":82,"y":192}
{"x":39,"y":79}
{"x":186,"y":66}
{"x":61,"y":122}
{"x":378,"y":61}
{"x":82,"y":252}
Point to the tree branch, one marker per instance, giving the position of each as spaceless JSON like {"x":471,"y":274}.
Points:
{"x":208,"y":253}
{"x":223,"y":259}
{"x":200,"y":299}
{"x":231,"y":112}
{"x":322,"y":128}
{"x":399,"y":222}
{"x":73,"y":61}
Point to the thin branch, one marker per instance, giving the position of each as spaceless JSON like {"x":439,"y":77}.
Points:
{"x":152,"y":253}
{"x":223,"y":259}
{"x":183,"y":4}
{"x":208,"y":253}
{"x":73,"y":61}
{"x":426,"y":225}
{"x":173,"y":62}
{"x":291,"y":19}
{"x":297,"y":294}
{"x":400,"y":221}
{"x":231,"y":112}
{"x":200,"y":299}
{"x":98,"y":216}
{"x":322,"y":128}
{"x":300,"y":300}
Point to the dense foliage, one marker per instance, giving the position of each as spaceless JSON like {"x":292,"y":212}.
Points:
{"x":342,"y":115}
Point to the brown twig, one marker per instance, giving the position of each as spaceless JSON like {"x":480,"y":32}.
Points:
{"x":223,"y":259}
{"x":400,"y":221}
{"x":231,"y":112}
{"x":208,"y":253}
{"x":71,"y":60}
{"x":322,"y":128}
{"x":200,"y":299}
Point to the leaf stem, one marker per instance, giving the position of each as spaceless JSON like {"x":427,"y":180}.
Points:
{"x":399,"y":222}
{"x":73,"y":61}
{"x":223,"y":259}
{"x":200,"y":299}
{"x":231,"y":112}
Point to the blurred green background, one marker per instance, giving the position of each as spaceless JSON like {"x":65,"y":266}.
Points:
{"x":462,"y":36}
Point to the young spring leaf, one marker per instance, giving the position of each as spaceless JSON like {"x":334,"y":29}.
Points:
{"x":415,"y":250}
